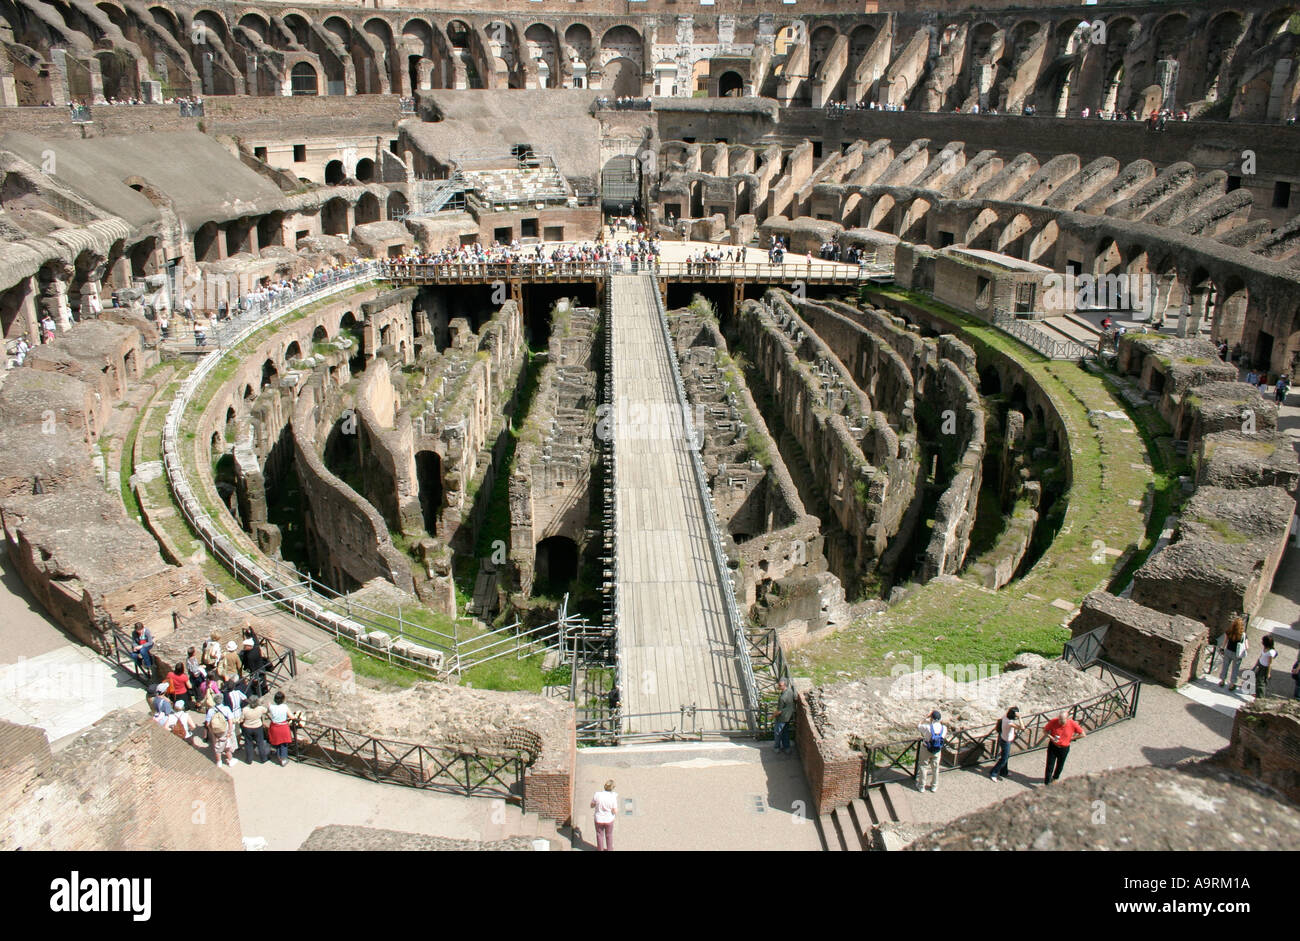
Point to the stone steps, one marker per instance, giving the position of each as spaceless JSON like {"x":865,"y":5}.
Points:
{"x":850,"y":828}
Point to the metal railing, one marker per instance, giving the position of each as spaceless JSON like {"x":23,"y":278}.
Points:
{"x":1032,"y":336}
{"x":443,"y":768}
{"x":771,"y":668}
{"x":1085,"y":649}
{"x":688,"y":723}
{"x":966,"y":747}
{"x":763,"y":273}
{"x":735,"y":622}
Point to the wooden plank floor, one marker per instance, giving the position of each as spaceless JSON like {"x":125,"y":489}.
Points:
{"x":674,"y":640}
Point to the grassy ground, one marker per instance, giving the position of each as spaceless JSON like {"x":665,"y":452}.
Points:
{"x":960,"y":623}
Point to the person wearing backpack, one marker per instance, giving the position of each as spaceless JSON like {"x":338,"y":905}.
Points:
{"x":1060,"y":731}
{"x":930,"y":751}
{"x":1233,"y":647}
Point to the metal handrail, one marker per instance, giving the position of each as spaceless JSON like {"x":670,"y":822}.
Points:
{"x":1026,"y":332}
{"x":970,"y":746}
{"x":737,"y":624}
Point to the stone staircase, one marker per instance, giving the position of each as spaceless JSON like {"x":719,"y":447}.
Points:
{"x":848,"y":829}
{"x":504,"y":821}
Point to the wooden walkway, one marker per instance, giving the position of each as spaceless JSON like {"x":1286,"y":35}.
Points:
{"x":675,"y":644}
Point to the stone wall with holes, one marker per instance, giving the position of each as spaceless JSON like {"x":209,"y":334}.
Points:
{"x":774,"y":544}
{"x":550,"y":486}
{"x":862,"y":463}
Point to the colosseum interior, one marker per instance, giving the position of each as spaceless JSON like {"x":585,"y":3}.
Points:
{"x":542,"y":388}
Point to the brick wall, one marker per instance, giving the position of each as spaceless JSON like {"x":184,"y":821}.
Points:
{"x":123,"y":784}
{"x":834,"y":780}
{"x":1265,"y":744}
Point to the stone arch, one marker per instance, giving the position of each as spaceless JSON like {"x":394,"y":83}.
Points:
{"x":912,"y":226}
{"x":334,"y":217}
{"x":1169,"y":35}
{"x":292,"y":352}
{"x":622,"y":78}
{"x":555,"y":564}
{"x":270,"y":373}
{"x":1228,"y":319}
{"x":335,"y":173}
{"x":364,"y":171}
{"x":249,"y":395}
{"x":367,"y":209}
{"x":981,"y":231}
{"x":255,"y":22}
{"x":303,"y":79}
{"x":321,"y":334}
{"x":731,"y":84}
{"x":1108,"y":257}
{"x":206,"y":245}
{"x":1043,"y":243}
{"x":881,"y":216}
{"x":397,"y":205}
{"x":1011,"y":238}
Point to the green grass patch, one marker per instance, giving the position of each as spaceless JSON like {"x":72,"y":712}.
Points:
{"x":965,"y":624}
{"x":372,"y":667}
{"x":507,"y":674}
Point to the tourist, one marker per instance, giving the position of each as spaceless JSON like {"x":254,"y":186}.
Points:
{"x":1008,"y":726}
{"x":253,"y":722}
{"x":930,"y":751}
{"x":180,"y":723}
{"x":178,"y":683}
{"x":230,"y":664}
{"x":1280,"y":390}
{"x":221,"y":734}
{"x":279,"y":733}
{"x":141,"y":645}
{"x":254,"y":666}
{"x":1060,"y":730}
{"x":1264,"y":666}
{"x":606,"y":806}
{"x":47,"y":329}
{"x":782,"y":717}
{"x":1295,"y":677}
{"x":159,"y":703}
{"x":212,"y":652}
{"x":1232,"y":646}
{"x":194,"y":669}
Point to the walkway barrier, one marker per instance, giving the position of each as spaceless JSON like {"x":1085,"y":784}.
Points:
{"x":736,"y":623}
{"x":900,"y":759}
{"x":1034,"y":337}
{"x":473,"y":773}
{"x":689,"y":723}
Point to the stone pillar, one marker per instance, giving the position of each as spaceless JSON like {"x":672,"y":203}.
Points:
{"x":1167,"y":78}
{"x":54,"y":301}
{"x":8,"y":92}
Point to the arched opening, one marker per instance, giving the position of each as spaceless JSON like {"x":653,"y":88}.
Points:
{"x":622,"y":78}
{"x":249,"y":394}
{"x":320,"y":335}
{"x":303,"y":79}
{"x":428,"y":475}
{"x":730,"y":85}
{"x":990,"y":381}
{"x":367,"y":209}
{"x":620,"y":185}
{"x":365,"y":170}
{"x":292,"y":353}
{"x":334,"y":217}
{"x":556,"y":566}
{"x":270,"y":374}
{"x":334,"y":172}
{"x":397,"y":205}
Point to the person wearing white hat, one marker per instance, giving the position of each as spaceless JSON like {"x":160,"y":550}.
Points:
{"x":230,"y":666}
{"x":161,"y":705}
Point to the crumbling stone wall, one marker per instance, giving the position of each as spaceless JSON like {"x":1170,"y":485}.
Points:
{"x":1265,"y":744}
{"x":550,"y":487}
{"x":1159,"y":647}
{"x":123,"y":784}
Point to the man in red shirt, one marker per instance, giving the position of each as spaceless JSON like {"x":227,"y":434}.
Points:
{"x":1060,"y":730}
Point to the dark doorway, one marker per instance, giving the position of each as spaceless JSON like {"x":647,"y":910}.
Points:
{"x":556,"y":566}
{"x":428,"y":474}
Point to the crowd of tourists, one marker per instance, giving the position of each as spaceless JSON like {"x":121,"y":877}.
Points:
{"x":625,"y":103}
{"x":637,"y":250}
{"x":215,"y":698}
